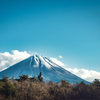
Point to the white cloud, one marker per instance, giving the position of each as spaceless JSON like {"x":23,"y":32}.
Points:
{"x":57,"y":61}
{"x":60,"y":56}
{"x":32,"y":53}
{"x":7,"y":59}
{"x":88,"y":75}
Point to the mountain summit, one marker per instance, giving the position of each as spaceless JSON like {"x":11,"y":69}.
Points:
{"x":36,"y":64}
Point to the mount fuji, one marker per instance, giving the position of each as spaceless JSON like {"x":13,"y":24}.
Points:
{"x":36,"y":64}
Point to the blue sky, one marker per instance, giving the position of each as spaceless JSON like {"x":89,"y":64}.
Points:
{"x":70,"y":28}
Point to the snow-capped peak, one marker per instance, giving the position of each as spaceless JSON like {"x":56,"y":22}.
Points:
{"x":36,"y":64}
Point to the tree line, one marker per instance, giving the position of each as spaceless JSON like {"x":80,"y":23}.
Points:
{"x":35,"y":88}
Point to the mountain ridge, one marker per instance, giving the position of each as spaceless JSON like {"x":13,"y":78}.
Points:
{"x":36,"y":64}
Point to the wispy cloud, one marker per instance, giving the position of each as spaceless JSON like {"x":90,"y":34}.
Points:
{"x":32,"y":53}
{"x":60,"y":56}
{"x":57,"y":61}
{"x":88,"y":75}
{"x":7,"y":59}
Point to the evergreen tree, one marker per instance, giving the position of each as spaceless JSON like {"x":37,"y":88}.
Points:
{"x":23,"y":77}
{"x":5,"y":78}
{"x":40,"y":78}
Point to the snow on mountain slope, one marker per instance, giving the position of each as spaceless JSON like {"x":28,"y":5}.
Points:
{"x":36,"y":64}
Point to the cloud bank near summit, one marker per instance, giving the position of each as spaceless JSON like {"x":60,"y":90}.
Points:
{"x":8,"y":59}
{"x":86,"y":74}
{"x":57,"y":61}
